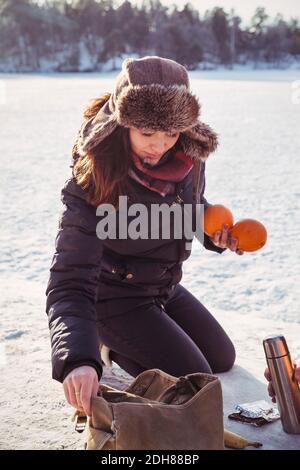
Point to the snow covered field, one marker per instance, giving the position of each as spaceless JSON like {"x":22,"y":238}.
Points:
{"x":255,"y":172}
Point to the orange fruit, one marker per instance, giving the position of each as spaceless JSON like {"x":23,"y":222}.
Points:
{"x":251,"y":234}
{"x":214,"y":218}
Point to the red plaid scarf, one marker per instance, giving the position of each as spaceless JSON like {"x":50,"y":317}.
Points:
{"x":162,"y":178}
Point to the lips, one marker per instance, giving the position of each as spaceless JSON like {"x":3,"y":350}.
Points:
{"x":154,"y":157}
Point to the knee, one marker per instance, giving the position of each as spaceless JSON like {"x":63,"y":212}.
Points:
{"x":191,"y":365}
{"x":187,"y":370}
{"x":226,"y":360}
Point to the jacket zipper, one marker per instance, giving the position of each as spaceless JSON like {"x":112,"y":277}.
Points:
{"x":178,"y":200}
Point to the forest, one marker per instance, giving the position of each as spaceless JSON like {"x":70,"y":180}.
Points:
{"x":94,"y":35}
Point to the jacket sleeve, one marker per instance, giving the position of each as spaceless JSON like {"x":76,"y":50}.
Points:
{"x":207,"y":243}
{"x":72,"y":286}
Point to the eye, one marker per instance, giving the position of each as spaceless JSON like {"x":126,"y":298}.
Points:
{"x":172,"y":136}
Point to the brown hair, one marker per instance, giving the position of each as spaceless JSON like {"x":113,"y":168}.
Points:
{"x":104,"y":169}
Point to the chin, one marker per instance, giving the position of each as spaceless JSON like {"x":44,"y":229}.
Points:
{"x":148,"y":163}
{"x":152,"y":159}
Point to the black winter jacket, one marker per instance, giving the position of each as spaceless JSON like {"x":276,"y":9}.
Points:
{"x":86,"y":269}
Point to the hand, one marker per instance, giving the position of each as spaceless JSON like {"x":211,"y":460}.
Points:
{"x":270,"y":386}
{"x":223,"y":239}
{"x":271,"y":391}
{"x":80,"y":385}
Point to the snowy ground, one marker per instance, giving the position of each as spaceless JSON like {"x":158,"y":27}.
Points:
{"x":254,"y":172}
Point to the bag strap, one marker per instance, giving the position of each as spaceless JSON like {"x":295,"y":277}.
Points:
{"x":196,"y":181}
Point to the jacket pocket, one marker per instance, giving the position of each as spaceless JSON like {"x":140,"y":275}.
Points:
{"x":139,"y":271}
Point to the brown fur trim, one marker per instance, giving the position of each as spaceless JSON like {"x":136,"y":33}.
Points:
{"x":199,"y":141}
{"x":96,"y":104}
{"x":157,"y":107}
{"x":93,"y":132}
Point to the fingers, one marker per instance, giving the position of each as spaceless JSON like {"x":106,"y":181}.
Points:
{"x":271,"y":390}
{"x":66,"y":391}
{"x":224,"y":237}
{"x":233,"y":243}
{"x":95,"y":387}
{"x":80,"y":389}
{"x":79,"y":386}
{"x":220,"y":237}
{"x":216,"y":237}
{"x":87,"y":396}
{"x":267,"y":375}
{"x":74,"y":397}
{"x":89,"y":390}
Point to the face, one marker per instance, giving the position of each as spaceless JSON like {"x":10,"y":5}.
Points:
{"x":150,"y":146}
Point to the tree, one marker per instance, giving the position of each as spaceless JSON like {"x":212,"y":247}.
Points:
{"x":276,"y":40}
{"x":258,"y":29}
{"x":294,"y":37}
{"x":182,"y":40}
{"x":220,"y":27}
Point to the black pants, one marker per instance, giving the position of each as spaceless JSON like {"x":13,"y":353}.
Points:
{"x":180,"y":338}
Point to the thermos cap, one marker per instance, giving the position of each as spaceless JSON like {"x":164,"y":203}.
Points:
{"x":275,"y":346}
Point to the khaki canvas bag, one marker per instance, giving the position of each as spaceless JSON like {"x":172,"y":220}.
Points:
{"x":158,"y":412}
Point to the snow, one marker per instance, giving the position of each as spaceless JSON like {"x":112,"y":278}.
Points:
{"x":254,"y":172}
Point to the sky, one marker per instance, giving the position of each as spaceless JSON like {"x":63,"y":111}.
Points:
{"x":245,"y":8}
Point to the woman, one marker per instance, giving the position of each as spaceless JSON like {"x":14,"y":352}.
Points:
{"x":145,"y":142}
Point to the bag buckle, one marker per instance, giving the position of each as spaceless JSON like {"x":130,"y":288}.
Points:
{"x":80,"y":420}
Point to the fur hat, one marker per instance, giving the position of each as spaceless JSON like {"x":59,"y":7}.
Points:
{"x":151,"y":93}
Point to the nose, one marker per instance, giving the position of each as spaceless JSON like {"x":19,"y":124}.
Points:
{"x":159,"y":147}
